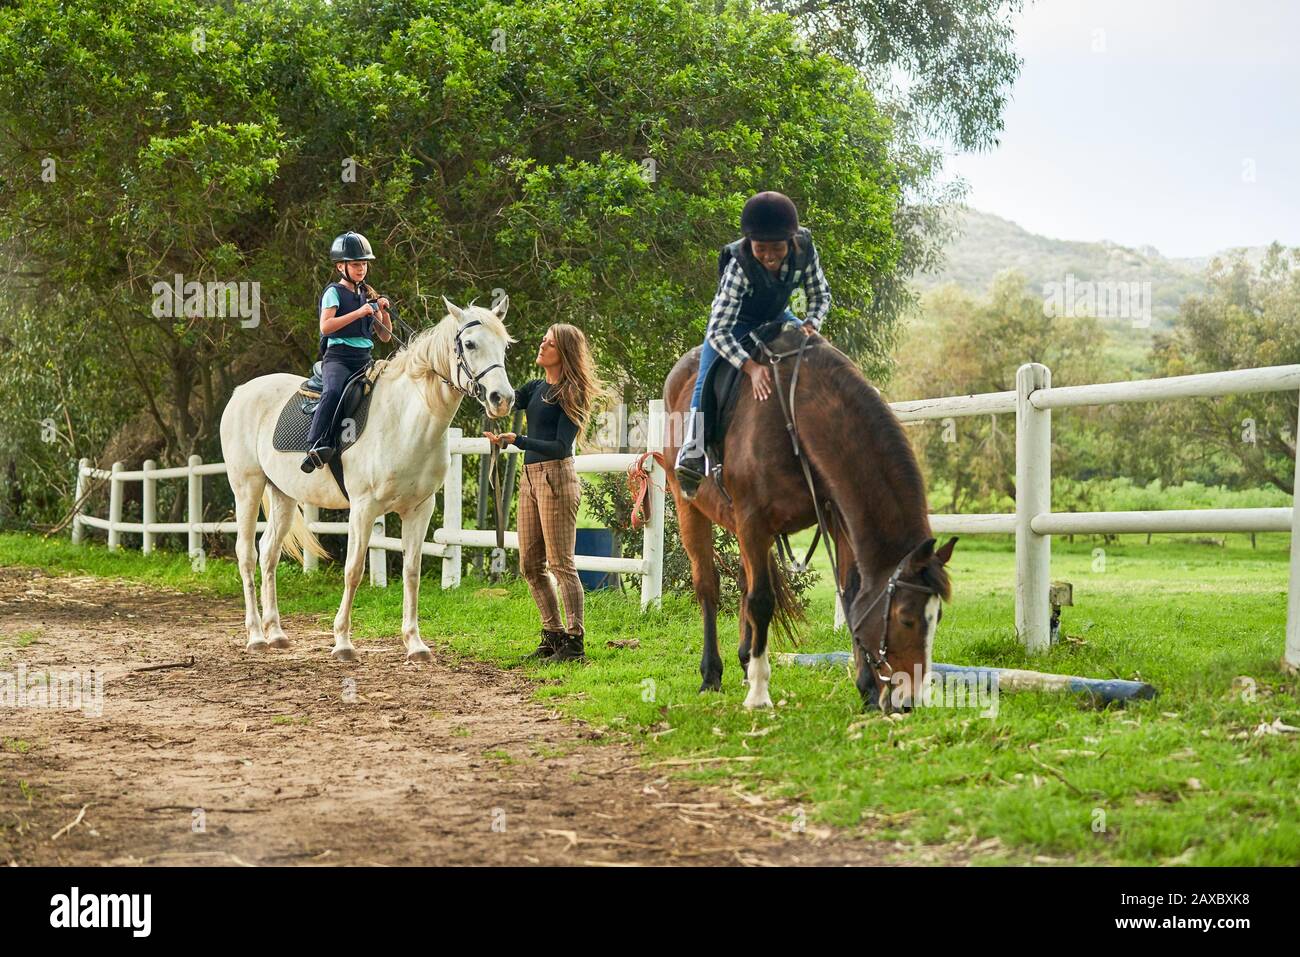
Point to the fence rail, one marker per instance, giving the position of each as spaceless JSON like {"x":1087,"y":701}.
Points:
{"x":447,"y":542}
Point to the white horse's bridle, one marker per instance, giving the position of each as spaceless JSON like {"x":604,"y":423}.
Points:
{"x":461,"y":369}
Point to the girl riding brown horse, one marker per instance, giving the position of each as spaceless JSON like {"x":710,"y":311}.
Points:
{"x":871,"y":495}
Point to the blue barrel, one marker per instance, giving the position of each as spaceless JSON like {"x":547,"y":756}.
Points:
{"x":599,"y":543}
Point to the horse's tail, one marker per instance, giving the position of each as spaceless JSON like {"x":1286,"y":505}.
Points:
{"x":787,"y":613}
{"x":299,"y":534}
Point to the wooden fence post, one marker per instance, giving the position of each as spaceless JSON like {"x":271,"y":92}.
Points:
{"x":78,"y":534}
{"x":195,"y":546}
{"x":114,"y":509}
{"x":378,"y":556}
{"x":310,"y":515}
{"x":150,"y":509}
{"x":1033,"y":497}
{"x":451,"y":506}
{"x":1292,"y":653}
{"x":652,"y":542}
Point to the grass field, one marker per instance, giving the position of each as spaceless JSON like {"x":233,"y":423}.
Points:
{"x":1184,"y":779}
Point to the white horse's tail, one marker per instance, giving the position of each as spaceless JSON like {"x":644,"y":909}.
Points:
{"x":299,"y":534}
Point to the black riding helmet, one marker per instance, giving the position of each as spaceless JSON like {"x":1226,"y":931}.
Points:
{"x":769,"y":217}
{"x":350,"y":247}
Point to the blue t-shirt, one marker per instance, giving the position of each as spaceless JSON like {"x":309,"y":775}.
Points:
{"x":331,"y":298}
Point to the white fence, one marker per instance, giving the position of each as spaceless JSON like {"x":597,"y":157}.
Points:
{"x":1033,"y":521}
{"x":448,"y":540}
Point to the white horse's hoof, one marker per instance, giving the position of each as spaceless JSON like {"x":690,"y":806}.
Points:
{"x":280,"y":642}
{"x":754,"y":701}
{"x":419,"y":654}
{"x":344,"y":654}
{"x":257,"y":644}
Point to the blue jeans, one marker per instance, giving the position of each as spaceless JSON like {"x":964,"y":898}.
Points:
{"x":708,"y":355}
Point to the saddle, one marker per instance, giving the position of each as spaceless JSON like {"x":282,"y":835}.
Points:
{"x":723,"y":381}
{"x":294,"y":424}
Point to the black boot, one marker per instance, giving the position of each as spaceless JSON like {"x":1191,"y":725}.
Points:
{"x":550,"y":640}
{"x":691,"y":465}
{"x":690,"y":473}
{"x":569,"y":648}
{"x":317,"y":458}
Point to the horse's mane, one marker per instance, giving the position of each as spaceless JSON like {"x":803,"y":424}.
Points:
{"x":888,"y":452}
{"x":426,"y":354}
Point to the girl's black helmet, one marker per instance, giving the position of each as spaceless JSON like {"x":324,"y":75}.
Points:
{"x":350,"y":247}
{"x":769,"y":217}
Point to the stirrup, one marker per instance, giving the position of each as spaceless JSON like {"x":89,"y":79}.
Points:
{"x":317,"y":458}
{"x":689,"y":479}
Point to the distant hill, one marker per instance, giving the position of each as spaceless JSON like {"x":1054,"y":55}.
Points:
{"x":986,"y":245}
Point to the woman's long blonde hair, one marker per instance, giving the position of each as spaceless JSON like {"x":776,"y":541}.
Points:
{"x":580,"y":390}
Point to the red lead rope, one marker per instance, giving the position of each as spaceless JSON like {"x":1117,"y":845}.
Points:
{"x":638,"y":484}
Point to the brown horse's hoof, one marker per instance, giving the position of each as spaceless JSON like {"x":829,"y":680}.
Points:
{"x":707,"y":685}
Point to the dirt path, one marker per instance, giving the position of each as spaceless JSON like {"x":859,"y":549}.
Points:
{"x":282,"y":761}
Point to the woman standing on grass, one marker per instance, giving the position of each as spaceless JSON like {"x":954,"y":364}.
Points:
{"x":558,"y":407}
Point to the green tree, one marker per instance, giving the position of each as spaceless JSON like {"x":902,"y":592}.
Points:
{"x":1247,"y":318}
{"x":960,"y":346}
{"x":588,"y":158}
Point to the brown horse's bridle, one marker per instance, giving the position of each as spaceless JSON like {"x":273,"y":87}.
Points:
{"x":878,"y":661}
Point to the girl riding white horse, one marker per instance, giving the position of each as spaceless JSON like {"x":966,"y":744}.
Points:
{"x":396,"y":465}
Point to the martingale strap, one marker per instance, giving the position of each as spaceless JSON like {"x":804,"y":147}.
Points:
{"x":791,"y":427}
{"x":786,"y":552}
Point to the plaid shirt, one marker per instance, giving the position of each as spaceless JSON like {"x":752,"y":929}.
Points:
{"x":732,"y":287}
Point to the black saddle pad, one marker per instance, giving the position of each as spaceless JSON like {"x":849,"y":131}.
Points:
{"x":723,"y":381}
{"x":294,"y":424}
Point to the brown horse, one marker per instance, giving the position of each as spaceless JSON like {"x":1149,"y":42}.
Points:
{"x":892,"y":576}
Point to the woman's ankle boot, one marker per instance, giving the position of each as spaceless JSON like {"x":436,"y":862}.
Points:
{"x":569,"y":649}
{"x":550,"y":640}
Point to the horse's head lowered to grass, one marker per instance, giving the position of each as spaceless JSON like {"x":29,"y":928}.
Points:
{"x":893,"y":629}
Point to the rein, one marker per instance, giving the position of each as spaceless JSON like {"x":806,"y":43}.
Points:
{"x":498,"y":492}
{"x":788,"y":413}
{"x":461,"y":369}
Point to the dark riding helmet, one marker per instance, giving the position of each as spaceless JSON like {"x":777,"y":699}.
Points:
{"x":769,"y":217}
{"x":350,"y":247}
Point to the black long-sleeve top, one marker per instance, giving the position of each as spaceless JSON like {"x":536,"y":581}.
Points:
{"x":550,"y":431}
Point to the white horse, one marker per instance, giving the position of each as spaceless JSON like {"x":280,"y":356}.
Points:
{"x":397,"y":465}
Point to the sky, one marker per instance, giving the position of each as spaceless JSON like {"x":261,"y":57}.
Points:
{"x":1169,"y":123}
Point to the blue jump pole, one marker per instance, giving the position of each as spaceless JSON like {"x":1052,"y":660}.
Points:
{"x":1005,"y":679}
